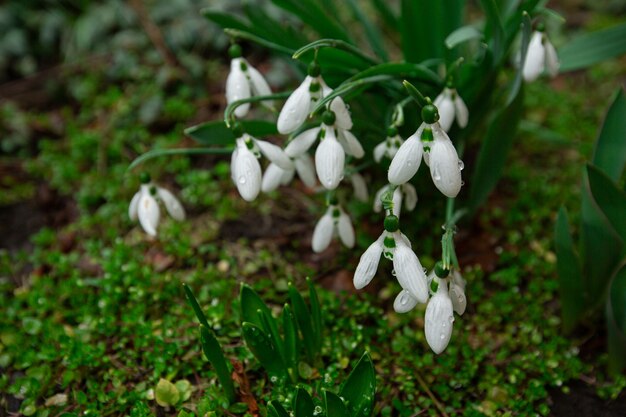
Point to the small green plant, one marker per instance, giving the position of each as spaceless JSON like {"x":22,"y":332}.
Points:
{"x":293,"y":361}
{"x":593,"y":279}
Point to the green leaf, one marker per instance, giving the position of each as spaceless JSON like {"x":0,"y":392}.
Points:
{"x":359,"y":390}
{"x":494,"y":28}
{"x":385,"y":12}
{"x":591,"y":48}
{"x":224,"y":20}
{"x":263,"y":349}
{"x":214,"y":354}
{"x":348,"y":87}
{"x":275,"y":408}
{"x":303,"y":404}
{"x":493,"y":151}
{"x":616,"y":336}
{"x":371,"y":31}
{"x":609,"y":197}
{"x":462,"y":35}
{"x":571,"y":285}
{"x":230,"y":109}
{"x":216,"y":132}
{"x":166,"y":393}
{"x":610,"y":151}
{"x":400,"y":70}
{"x":291,"y":339}
{"x":244,"y":34}
{"x":193,"y":302}
{"x":316,"y":314}
{"x":155,"y":153}
{"x":334,"y":405}
{"x":617,"y":297}
{"x":254,"y":310}
{"x":265,"y":26}
{"x":303,"y":318}
{"x":312,"y":14}
{"x":333,"y":43}
{"x":517,"y":82}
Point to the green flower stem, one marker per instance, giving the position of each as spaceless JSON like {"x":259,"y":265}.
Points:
{"x":415,"y":94}
{"x":229,"y":117}
{"x":448,"y":253}
{"x":241,"y":34}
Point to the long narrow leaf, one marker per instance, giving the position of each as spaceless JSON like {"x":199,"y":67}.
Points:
{"x":495,"y":28}
{"x":303,"y":318}
{"x":359,"y":390}
{"x":316,"y":314}
{"x":517,"y":82}
{"x":371,"y":31}
{"x":350,"y":86}
{"x":277,"y":409}
{"x":311,"y":14}
{"x":213,"y":352}
{"x":230,"y":109}
{"x":462,"y":35}
{"x":401,"y":70}
{"x":616,"y":340}
{"x":193,"y":302}
{"x":384,"y":10}
{"x":594,"y":47}
{"x":303,"y":404}
{"x":244,"y":34}
{"x":610,"y":199}
{"x":610,"y":151}
{"x":290,"y":331}
{"x":224,"y":20}
{"x":332,"y":43}
{"x":264,"y":350}
{"x":216,"y":132}
{"x":176,"y":151}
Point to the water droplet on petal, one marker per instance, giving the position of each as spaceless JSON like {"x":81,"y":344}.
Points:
{"x":242,"y":179}
{"x":393,"y":272}
{"x":461,"y":165}
{"x":442,"y":336}
{"x":451,"y":319}
{"x":436,"y":174}
{"x":404,"y":300}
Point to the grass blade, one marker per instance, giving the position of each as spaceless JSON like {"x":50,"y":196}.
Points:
{"x":216,"y":132}
{"x":594,"y":47}
{"x":610,"y":199}
{"x":155,"y":153}
{"x":193,"y":302}
{"x":213,"y":352}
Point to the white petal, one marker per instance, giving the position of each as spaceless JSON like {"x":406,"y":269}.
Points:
{"x":274,"y":153}
{"x":397,"y":202}
{"x":368,"y":264}
{"x":438,"y":319}
{"x":410,"y":196}
{"x":446,"y":112}
{"x":306,"y":170}
{"x":345,"y":230}
{"x":351,"y":144}
{"x":247,"y":174}
{"x":338,"y":106}
{"x":360,"y":188}
{"x":287,"y":176}
{"x":396,"y":142}
{"x":404,"y":302}
{"x":378,"y":204}
{"x":407,"y":160}
{"x":457,"y":295}
{"x":323,"y":233}
{"x":379,"y":151}
{"x":233,"y":166}
{"x":172,"y":205}
{"x":444,"y":164}
{"x":134,"y":205}
{"x":404,"y":239}
{"x":409,"y":271}
{"x":329,"y":161}
{"x":552,"y":59}
{"x":535,"y":58}
{"x":260,"y":87}
{"x":458,"y":279}
{"x":301,"y":143}
{"x":460,"y":109}
{"x":237,"y":86}
{"x":296,"y":108}
{"x":148,"y":213}
{"x":272,"y":178}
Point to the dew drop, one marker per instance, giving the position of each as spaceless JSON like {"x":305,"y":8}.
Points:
{"x":442,"y":336}
{"x":242,"y":179}
{"x":393,"y":272}
{"x":461,"y":165}
{"x":462,"y":183}
{"x":451,"y":319}
{"x":436,"y":174}
{"x":404,"y":300}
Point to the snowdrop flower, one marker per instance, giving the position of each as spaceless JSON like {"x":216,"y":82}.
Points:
{"x":541,"y":56}
{"x":404,"y":193}
{"x":144,"y":205}
{"x":408,"y":158}
{"x":334,"y":222}
{"x":302,"y":101}
{"x":389,"y":146}
{"x":451,"y":106}
{"x":439,"y":318}
{"x":457,"y":293}
{"x":243,"y":82}
{"x":360,"y":187}
{"x":395,"y":246}
{"x":245,"y":167}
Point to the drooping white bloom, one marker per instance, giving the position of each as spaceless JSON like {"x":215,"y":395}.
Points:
{"x":387,"y":148}
{"x":334,"y":222}
{"x":540,"y":57}
{"x":451,"y":106}
{"x":144,"y":206}
{"x":444,"y":163}
{"x":329,"y":159}
{"x":243,"y":82}
{"x":404,"y":302}
{"x":404,"y":193}
{"x":246,"y":169}
{"x":407,"y":160}
{"x":457,"y":293}
{"x":360,"y":187}
{"x":439,"y":318}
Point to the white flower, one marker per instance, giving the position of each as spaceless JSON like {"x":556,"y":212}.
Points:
{"x":457,"y":293}
{"x":244,"y":81}
{"x":387,"y":148}
{"x":329,"y":159}
{"x":404,"y":302}
{"x":439,"y":318}
{"x":451,"y":105}
{"x":541,"y":56}
{"x":144,"y":206}
{"x":350,"y":143}
{"x":246,"y":169}
{"x":444,"y":163}
{"x":405,"y":192}
{"x":407,"y":160}
{"x":407,"y":267}
{"x":334,"y":221}
{"x":360,"y":187}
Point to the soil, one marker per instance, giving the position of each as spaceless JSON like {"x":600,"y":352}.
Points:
{"x":582,"y":401}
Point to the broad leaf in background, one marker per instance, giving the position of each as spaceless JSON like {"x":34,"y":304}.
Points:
{"x":610,"y":199}
{"x":594,"y":47}
{"x":572,"y":288}
{"x":610,"y":152}
{"x":494,"y":30}
{"x":217,"y":133}
{"x":371,"y":31}
{"x":359,"y":390}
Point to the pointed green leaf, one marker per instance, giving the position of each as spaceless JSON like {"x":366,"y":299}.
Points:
{"x":617,"y":297}
{"x":316,"y":315}
{"x":193,"y":302}
{"x":303,"y":404}
{"x":155,"y":153}
{"x":264,"y":25}
{"x":591,"y":48}
{"x":616,"y":337}
{"x":336,"y":44}
{"x":610,"y":151}
{"x":224,"y":20}
{"x":213,"y":352}
{"x":609,"y":197}
{"x":277,"y":409}
{"x":271,"y":328}
{"x":334,"y":405}
{"x":245,"y":34}
{"x":254,"y":310}
{"x":386,"y":14}
{"x":303,"y":318}
{"x":400,"y":70}
{"x":312,"y":14}
{"x":572,"y":288}
{"x":517,"y":81}
{"x":462,"y":35}
{"x":348,"y":87}
{"x":291,"y":339}
{"x":494,"y":28}
{"x":216,"y":132}
{"x":262,"y":347}
{"x":359,"y":390}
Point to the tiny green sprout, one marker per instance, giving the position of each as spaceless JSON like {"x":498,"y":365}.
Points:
{"x":430,"y":114}
{"x":234,"y":51}
{"x":392,"y":223}
{"x":440,"y":271}
{"x":314,"y":69}
{"x":237,"y":129}
{"x":392,"y":131}
{"x":328,"y":118}
{"x":144,"y":178}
